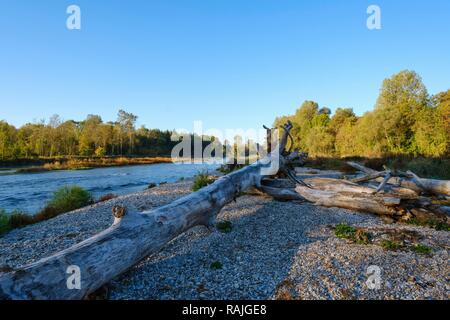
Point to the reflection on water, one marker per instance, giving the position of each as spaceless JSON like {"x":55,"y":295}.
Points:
{"x":30,"y":192}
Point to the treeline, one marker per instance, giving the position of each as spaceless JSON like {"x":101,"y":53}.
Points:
{"x":406,"y":120}
{"x":90,"y":137}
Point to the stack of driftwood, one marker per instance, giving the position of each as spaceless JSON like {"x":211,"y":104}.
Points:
{"x":135,"y":235}
{"x":390,"y":193}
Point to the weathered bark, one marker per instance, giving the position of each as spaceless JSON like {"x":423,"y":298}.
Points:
{"x":349,"y":200}
{"x":281,"y":194}
{"x":407,"y":180}
{"x":368,"y":177}
{"x":278,"y":183}
{"x":132,"y":237}
{"x":340,"y":185}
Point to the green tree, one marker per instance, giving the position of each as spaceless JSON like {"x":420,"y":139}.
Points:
{"x":126,"y":122}
{"x":402,"y":99}
{"x":7,"y":141}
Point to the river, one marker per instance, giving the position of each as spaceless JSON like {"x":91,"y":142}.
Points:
{"x":29,"y":192}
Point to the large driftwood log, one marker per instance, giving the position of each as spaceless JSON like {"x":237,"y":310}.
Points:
{"x":348,"y":200}
{"x":404,"y":179}
{"x":281,"y":194}
{"x":132,"y":237}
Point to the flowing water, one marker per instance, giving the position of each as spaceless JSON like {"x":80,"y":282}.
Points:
{"x":29,"y":192}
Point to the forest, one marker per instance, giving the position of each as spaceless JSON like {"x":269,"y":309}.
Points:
{"x":90,"y":137}
{"x":406,"y":121}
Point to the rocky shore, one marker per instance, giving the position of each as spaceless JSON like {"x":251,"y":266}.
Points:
{"x":273,"y":250}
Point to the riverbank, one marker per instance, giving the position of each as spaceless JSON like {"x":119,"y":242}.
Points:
{"x":30,"y":192}
{"x":274,"y":250}
{"x":77,"y":163}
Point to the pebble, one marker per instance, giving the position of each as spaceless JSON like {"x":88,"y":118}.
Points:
{"x":275,"y":250}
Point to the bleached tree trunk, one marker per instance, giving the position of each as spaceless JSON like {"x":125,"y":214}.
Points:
{"x":132,"y":237}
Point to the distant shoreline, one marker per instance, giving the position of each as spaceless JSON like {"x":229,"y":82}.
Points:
{"x":76,"y":163}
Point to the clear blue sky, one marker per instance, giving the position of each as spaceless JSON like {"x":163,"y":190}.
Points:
{"x":229,"y":63}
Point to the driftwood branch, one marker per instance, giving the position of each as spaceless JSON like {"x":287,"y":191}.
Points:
{"x":407,"y":180}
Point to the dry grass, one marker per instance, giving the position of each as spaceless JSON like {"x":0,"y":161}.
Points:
{"x":107,"y":197}
{"x":64,"y":200}
{"x":89,"y":163}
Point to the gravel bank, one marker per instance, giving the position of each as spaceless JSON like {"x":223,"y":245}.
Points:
{"x":281,"y":250}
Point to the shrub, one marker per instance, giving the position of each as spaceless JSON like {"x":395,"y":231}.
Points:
{"x":420,"y":248}
{"x":69,"y":198}
{"x":46,"y":213}
{"x":4,"y":222}
{"x":201,"y":180}
{"x":19,"y":219}
{"x":100,"y":152}
{"x":344,"y":231}
{"x":64,"y":199}
{"x":216,"y":265}
{"x":151,"y":185}
{"x":106,"y":197}
{"x":390,"y":245}
{"x":442,"y":226}
{"x":359,"y":236}
{"x":438,"y":225}
{"x":224,"y":226}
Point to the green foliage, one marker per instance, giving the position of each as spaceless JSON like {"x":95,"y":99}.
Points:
{"x":201,"y":180}
{"x":100,"y":152}
{"x":20,"y":219}
{"x":13,"y":220}
{"x":64,"y":199}
{"x":406,"y":121}
{"x":224,"y":226}
{"x":390,"y":245}
{"x":441,"y":226}
{"x":359,"y":236}
{"x":438,"y":168}
{"x":216,"y":265}
{"x":69,"y":198}
{"x":420,"y":248}
{"x":4,"y":222}
{"x":344,"y":231}
{"x":89,"y":137}
{"x":438,"y":225}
